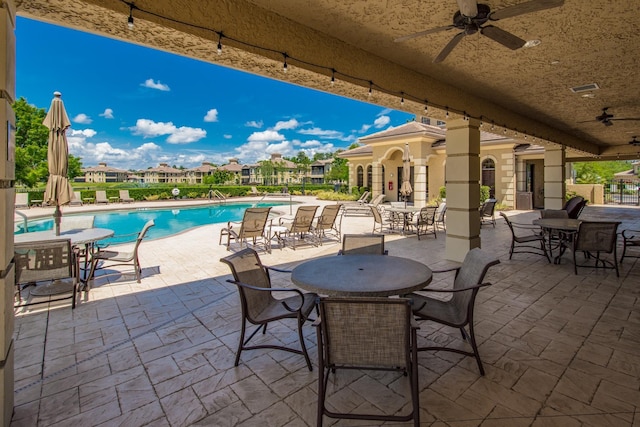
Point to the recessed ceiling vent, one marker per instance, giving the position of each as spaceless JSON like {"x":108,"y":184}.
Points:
{"x":585,"y":88}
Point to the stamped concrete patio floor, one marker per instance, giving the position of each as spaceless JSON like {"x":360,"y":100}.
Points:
{"x":559,"y":349}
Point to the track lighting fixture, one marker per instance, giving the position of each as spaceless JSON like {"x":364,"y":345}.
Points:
{"x":219,"y":43}
{"x":130,"y":19}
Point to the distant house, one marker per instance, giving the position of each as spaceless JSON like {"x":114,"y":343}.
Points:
{"x":631,"y":174}
{"x":163,"y":174}
{"x":235,"y":168}
{"x":104,"y":173}
{"x":198,"y":174}
{"x":319,"y":169}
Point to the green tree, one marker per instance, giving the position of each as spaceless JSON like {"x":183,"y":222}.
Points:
{"x":266,"y":170}
{"x":598,"y":172}
{"x":339,"y":169}
{"x":31,"y":146}
{"x":220,"y":176}
{"x":303,"y":162}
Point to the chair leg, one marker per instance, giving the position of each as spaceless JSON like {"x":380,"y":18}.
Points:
{"x":241,"y":341}
{"x":301,"y":321}
{"x":472,"y":341}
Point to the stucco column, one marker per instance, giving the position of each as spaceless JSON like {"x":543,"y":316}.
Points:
{"x":554,"y":177}
{"x":376,"y":179}
{"x":463,"y":187}
{"x":420,"y":182}
{"x":7,"y":203}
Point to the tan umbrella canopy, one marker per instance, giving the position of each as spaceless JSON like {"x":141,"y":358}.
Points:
{"x":405,"y":189}
{"x":58,"y":191}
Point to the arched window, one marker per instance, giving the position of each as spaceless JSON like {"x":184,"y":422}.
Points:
{"x":360,"y":179}
{"x":369,"y":176}
{"x":489,"y":176}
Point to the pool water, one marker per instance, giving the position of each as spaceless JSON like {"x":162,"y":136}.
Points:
{"x":127,"y":223}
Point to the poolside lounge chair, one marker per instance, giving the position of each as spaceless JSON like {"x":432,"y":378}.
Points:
{"x":363,"y":208}
{"x":22,"y":200}
{"x":327,"y":223}
{"x":101,"y":197}
{"x":124,"y":196}
{"x":259,"y":307}
{"x":254,"y":191}
{"x":458,"y":311}
{"x":526,"y":238}
{"x":104,"y":258}
{"x":251,"y":228}
{"x":368,"y":334}
{"x":299,"y":228}
{"x":363,"y":244}
{"x":49,"y":265}
{"x":76,"y":200}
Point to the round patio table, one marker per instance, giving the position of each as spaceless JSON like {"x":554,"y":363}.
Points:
{"x":361,"y":275}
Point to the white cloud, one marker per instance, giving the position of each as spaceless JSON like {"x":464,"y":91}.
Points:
{"x":265,"y":136}
{"x":82,"y":118}
{"x":254,"y":124}
{"x":82,"y":133}
{"x":322,"y":133}
{"x":364,"y":128}
{"x":211,"y":116}
{"x":108,"y":113}
{"x":381,"y":121}
{"x":227,"y":136}
{"x":151,"y":84}
{"x":185,"y":135}
{"x":384,"y":112}
{"x":289,"y":124}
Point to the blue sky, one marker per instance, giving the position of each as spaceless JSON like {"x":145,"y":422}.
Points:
{"x":134,"y":107}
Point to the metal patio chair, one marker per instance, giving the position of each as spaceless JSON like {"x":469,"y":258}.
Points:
{"x":594,"y":239}
{"x":366,"y":334}
{"x":260,"y":307}
{"x":488,"y":212}
{"x":630,"y":239}
{"x":526,"y":238}
{"x":252,"y":229}
{"x":327,"y":223}
{"x":300,"y":227}
{"x":441,"y":216}
{"x":426,"y":221}
{"x":458,"y":311}
{"x":363,"y":244}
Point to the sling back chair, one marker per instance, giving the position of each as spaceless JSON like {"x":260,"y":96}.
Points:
{"x":594,"y":239}
{"x":252,"y":229}
{"x":327,"y":223}
{"x":526,"y":238}
{"x":363,"y":244}
{"x":488,"y":212}
{"x":300,"y":227}
{"x":426,"y":221}
{"x":260,"y":307}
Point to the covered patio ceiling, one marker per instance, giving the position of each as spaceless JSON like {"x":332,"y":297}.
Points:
{"x":526,"y":91}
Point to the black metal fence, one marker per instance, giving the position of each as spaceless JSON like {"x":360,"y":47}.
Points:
{"x":622,"y":192}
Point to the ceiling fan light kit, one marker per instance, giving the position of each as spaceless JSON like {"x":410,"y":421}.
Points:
{"x":472,"y":17}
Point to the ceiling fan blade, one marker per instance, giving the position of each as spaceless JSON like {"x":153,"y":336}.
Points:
{"x":468,"y":8}
{"x":449,"y":47}
{"x":503,"y":37}
{"x":423,"y":33}
{"x":526,"y":7}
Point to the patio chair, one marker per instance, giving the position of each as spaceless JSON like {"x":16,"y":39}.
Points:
{"x":595,"y":238}
{"x":363,"y":244}
{"x":554,"y":213}
{"x":630,"y":239}
{"x":441,"y":216}
{"x":251,"y":228}
{"x":380,"y":222}
{"x":48,"y":265}
{"x":259,"y":307}
{"x":368,"y":334}
{"x":76,"y":200}
{"x":364,"y":197}
{"x":426,"y":221}
{"x":299,"y":228}
{"x":574,"y":206}
{"x":22,"y":200}
{"x":124,"y":196}
{"x":488,"y":212}
{"x":526,"y":238}
{"x":101,"y":197}
{"x":458,"y":311}
{"x":104,"y":258}
{"x":376,"y":200}
{"x":327,"y":223}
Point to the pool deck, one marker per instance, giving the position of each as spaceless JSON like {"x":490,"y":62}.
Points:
{"x":559,"y":349}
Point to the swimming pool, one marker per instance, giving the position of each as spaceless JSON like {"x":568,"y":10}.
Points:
{"x":168,"y":220}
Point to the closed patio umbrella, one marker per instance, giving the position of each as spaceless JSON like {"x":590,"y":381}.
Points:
{"x":405,"y":189}
{"x":58,"y":191}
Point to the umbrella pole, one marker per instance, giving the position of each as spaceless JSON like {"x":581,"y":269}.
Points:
{"x":56,"y":219}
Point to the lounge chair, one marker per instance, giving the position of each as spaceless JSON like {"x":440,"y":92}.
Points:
{"x":363,"y":208}
{"x":327,"y":224}
{"x":22,"y":200}
{"x":363,"y":244}
{"x":76,"y":200}
{"x":254,"y":192}
{"x":457,"y":311}
{"x":259,"y":307}
{"x":441,"y":216}
{"x":251,"y":228}
{"x":104,"y":258}
{"x":526,"y":238}
{"x":368,"y":334}
{"x":51,"y":266}
{"x":300,"y":226}
{"x":101,"y":197}
{"x":124,"y":196}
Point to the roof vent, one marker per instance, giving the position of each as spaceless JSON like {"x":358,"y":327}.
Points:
{"x":585,"y":88}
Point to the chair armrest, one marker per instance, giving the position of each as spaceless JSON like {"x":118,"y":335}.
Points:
{"x":468,"y":288}
{"x":279,"y":270}
{"x":634,"y":236}
{"x":456,"y":269}
{"x":284,"y":304}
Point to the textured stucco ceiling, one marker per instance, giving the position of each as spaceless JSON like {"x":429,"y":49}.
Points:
{"x":526,"y":90}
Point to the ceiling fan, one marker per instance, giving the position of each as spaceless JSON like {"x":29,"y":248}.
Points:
{"x":607,"y":118}
{"x":473,"y":15}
